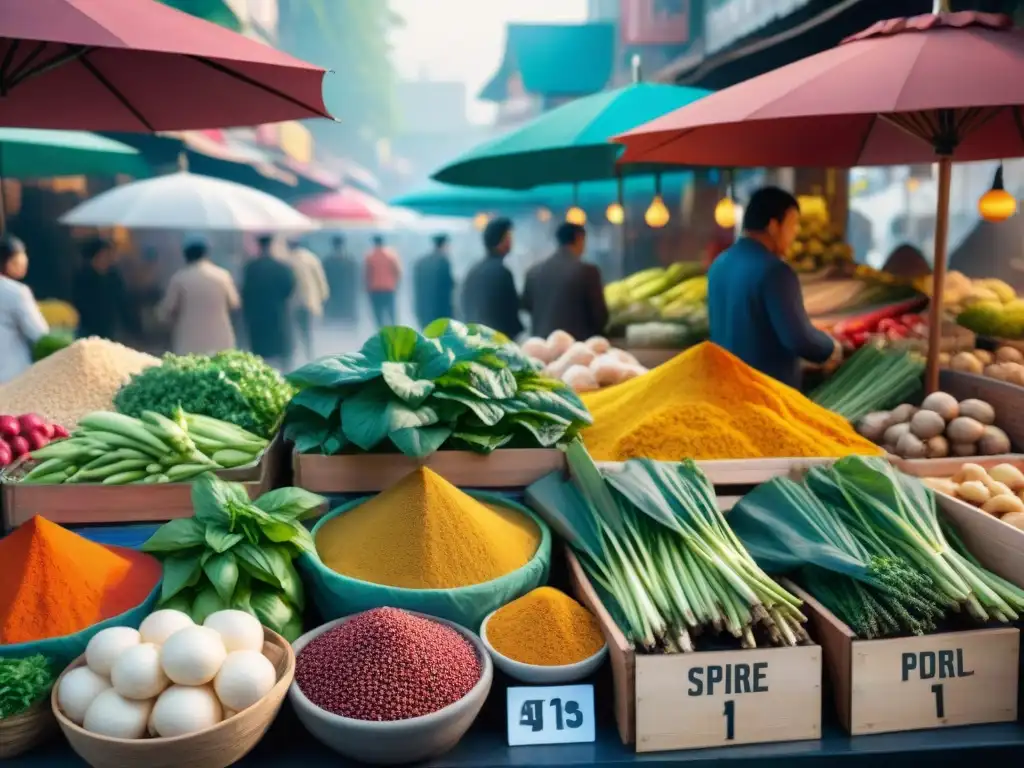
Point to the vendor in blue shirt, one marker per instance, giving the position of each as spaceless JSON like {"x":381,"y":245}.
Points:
{"x":755,"y":304}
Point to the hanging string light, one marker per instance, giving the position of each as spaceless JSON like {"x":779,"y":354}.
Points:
{"x":997,"y":204}
{"x":576,"y":215}
{"x":657,"y":214}
{"x":480,"y":222}
{"x":615,"y":213}
{"x":726,"y":211}
{"x":543,"y":215}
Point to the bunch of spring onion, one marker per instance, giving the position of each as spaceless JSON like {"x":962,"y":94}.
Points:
{"x":873,"y":379}
{"x":650,"y":534}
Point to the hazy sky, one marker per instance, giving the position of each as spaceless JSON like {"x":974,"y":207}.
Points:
{"x":465,"y":39}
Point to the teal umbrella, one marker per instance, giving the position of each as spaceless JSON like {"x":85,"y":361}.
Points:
{"x":570,"y":143}
{"x":436,"y":199}
{"x":27,"y":153}
{"x":217,"y":11}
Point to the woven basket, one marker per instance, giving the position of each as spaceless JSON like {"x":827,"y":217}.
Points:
{"x":22,"y":732}
{"x":224,"y":744}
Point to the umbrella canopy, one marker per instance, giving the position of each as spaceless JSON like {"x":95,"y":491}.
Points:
{"x":447,"y":200}
{"x":187,"y":201}
{"x":27,"y":153}
{"x":110,"y":65}
{"x":941,"y":87}
{"x":345,"y":208}
{"x":570,"y":143}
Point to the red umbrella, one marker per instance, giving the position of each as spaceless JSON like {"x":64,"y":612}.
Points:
{"x":346,"y":207}
{"x":944,"y":88}
{"x":138,"y":65}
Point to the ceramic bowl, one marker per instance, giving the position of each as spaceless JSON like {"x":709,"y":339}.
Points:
{"x":542,"y":675}
{"x":399,"y":741}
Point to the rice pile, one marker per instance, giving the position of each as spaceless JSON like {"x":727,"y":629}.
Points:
{"x":75,"y":381}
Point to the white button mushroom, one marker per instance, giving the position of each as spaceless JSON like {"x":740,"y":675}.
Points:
{"x":107,"y":645}
{"x":239,"y":630}
{"x":138,"y":674}
{"x":160,"y":625}
{"x":193,"y":655}
{"x":78,"y":689}
{"x":245,"y":678}
{"x":183,"y":709}
{"x":111,"y":714}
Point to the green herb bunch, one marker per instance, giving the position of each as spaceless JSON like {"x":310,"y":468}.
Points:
{"x":23,"y":682}
{"x":233,"y":386}
{"x":456,"y":386}
{"x":237,"y":553}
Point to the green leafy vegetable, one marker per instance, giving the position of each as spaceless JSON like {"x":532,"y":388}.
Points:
{"x":23,"y":682}
{"x":233,"y":548}
{"x":456,"y":386}
{"x":233,"y":386}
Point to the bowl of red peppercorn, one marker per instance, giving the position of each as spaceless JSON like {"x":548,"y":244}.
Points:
{"x":389,"y":686}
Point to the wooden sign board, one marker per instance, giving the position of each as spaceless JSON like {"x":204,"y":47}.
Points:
{"x":715,"y":699}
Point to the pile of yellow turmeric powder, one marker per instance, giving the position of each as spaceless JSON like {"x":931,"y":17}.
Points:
{"x":424,"y":533}
{"x":546,"y":628}
{"x":708,"y":404}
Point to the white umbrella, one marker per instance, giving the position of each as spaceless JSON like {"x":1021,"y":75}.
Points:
{"x":187,"y":201}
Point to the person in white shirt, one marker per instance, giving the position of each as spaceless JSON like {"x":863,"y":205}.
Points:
{"x":311,"y":292}
{"x":198,"y":304}
{"x":21,"y":322}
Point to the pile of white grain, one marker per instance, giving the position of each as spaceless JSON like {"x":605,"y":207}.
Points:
{"x":74,"y":382}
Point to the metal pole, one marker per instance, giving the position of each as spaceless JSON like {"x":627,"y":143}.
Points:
{"x":940,"y":6}
{"x":638,"y":74}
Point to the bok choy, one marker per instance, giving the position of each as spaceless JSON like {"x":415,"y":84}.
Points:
{"x":651,"y":536}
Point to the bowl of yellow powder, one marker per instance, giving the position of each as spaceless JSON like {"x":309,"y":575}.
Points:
{"x":544,"y":638}
{"x":424,"y":545}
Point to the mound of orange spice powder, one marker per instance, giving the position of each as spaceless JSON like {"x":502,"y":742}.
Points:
{"x":54,"y":582}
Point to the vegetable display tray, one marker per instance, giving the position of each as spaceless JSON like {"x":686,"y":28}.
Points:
{"x":84,"y":503}
{"x":707,"y":698}
{"x":369,"y":473}
{"x":1004,"y":397}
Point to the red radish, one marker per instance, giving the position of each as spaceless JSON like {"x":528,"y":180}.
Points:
{"x":6,"y":457}
{"x":9,"y":426}
{"x":59,"y":432}
{"x":48,"y":430}
{"x":19,"y":446}
{"x":30,"y":422}
{"x":37,"y":439}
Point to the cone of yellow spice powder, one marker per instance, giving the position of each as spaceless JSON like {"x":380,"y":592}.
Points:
{"x":546,"y":628}
{"x":708,"y":404}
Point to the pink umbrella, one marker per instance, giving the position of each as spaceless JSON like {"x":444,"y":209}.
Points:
{"x":347,"y":207}
{"x":945,"y":87}
{"x":138,"y":65}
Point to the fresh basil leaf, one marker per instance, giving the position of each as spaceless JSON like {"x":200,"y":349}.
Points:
{"x":176,"y":535}
{"x":353,"y":368}
{"x":180,"y":572}
{"x":546,"y":431}
{"x":212,"y":498}
{"x":395,"y":344}
{"x":319,"y":400}
{"x":207,"y":601}
{"x":399,"y":378}
{"x":243,"y":592}
{"x":222,"y":571}
{"x":302,"y":540}
{"x":480,"y":442}
{"x":290,"y":503}
{"x":271,"y":608}
{"x":220,"y":539}
{"x":489,"y":412}
{"x":420,"y":442}
{"x":254,"y":561}
{"x":486,"y":383}
{"x":281,"y":563}
{"x":554,"y":403}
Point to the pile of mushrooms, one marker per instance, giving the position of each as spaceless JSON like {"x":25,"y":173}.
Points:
{"x":998,"y":491}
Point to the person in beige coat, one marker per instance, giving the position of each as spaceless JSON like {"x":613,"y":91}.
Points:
{"x":311,"y":292}
{"x":198,"y":304}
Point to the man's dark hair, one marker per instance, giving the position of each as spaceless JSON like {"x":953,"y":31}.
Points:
{"x":495,"y":232}
{"x":295,"y":242}
{"x":93,"y":247}
{"x":10,"y":246}
{"x":338,"y":242}
{"x":378,"y":241}
{"x":567,"y":233}
{"x":264,"y":242}
{"x":194,"y":252}
{"x":766,"y":205}
{"x":440,"y":241}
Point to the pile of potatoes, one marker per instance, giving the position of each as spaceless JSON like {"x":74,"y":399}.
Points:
{"x":941,"y":427}
{"x":998,"y":491}
{"x":1005,"y":364}
{"x":585,"y":366}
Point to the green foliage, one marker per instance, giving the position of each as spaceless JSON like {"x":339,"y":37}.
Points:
{"x":457,"y":386}
{"x":50,"y":343}
{"x":237,"y":553}
{"x":233,"y":386}
{"x":23,"y":682}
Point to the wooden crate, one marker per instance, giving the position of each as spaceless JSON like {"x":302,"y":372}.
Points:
{"x":915,"y":683}
{"x":1004,"y":397}
{"x":368,"y":473}
{"x":84,"y":503}
{"x":657,"y":706}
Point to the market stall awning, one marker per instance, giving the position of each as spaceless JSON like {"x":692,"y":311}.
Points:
{"x":555,"y":60}
{"x":346,"y":207}
{"x":35,"y":153}
{"x":217,"y":11}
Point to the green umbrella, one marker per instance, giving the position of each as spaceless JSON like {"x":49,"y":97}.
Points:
{"x":570,"y":143}
{"x":445,"y":200}
{"x":27,"y":153}
{"x":217,"y":11}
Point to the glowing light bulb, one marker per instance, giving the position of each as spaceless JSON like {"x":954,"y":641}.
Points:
{"x":543,"y":215}
{"x":657,"y":215}
{"x":997,"y":205}
{"x":480,"y":221}
{"x":725,"y":213}
{"x":576,"y":215}
{"x":615,"y":214}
